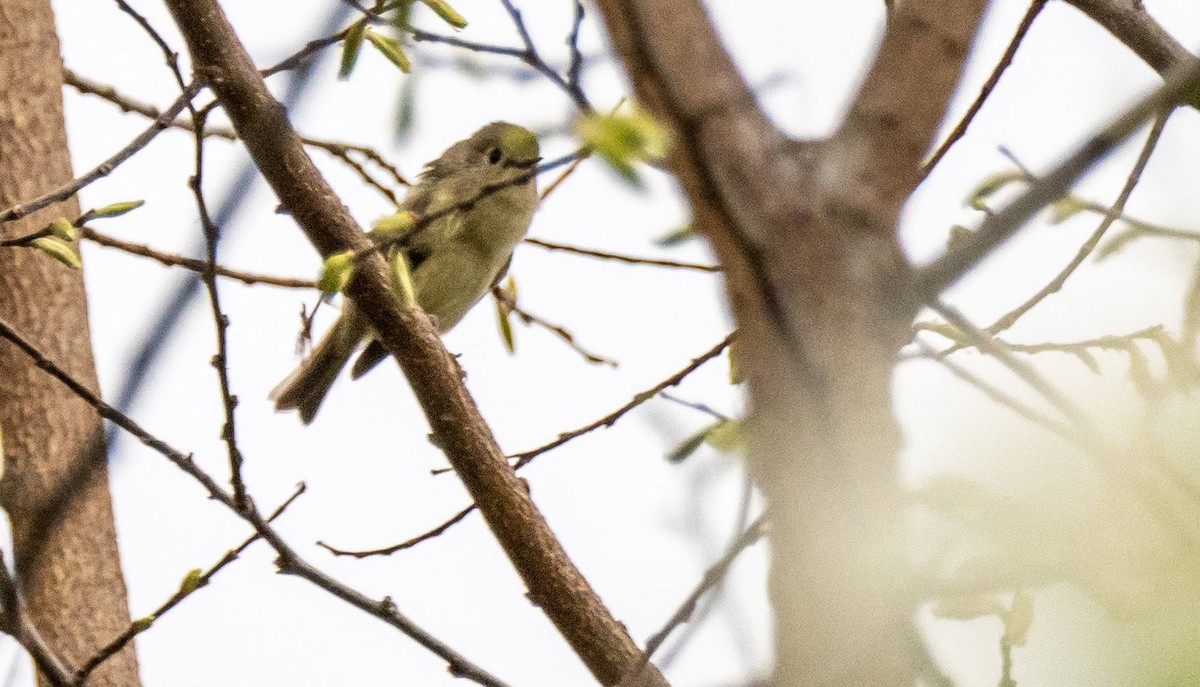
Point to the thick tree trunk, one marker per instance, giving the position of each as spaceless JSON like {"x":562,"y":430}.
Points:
{"x":68,"y":563}
{"x":806,"y":234}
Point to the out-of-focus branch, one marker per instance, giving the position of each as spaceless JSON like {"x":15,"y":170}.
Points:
{"x":554,"y":583}
{"x":712,"y":577}
{"x":896,"y":114}
{"x":525,"y":457}
{"x":1110,"y":215}
{"x":1129,"y":22}
{"x":999,"y":396}
{"x":1002,"y":225}
{"x":806,"y":236}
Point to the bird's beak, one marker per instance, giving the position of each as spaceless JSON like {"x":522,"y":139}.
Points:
{"x":525,"y":164}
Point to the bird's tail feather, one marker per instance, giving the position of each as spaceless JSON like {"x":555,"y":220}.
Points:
{"x":306,"y":386}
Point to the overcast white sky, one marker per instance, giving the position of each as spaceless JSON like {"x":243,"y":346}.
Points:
{"x":642,"y":530}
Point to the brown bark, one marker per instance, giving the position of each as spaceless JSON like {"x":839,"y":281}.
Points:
{"x":554,"y":583}
{"x":807,"y":235}
{"x":1129,"y":22}
{"x":69,"y":565}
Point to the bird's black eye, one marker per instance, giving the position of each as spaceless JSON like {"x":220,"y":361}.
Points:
{"x":494,"y":156}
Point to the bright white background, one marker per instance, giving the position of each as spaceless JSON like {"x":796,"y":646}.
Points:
{"x":642,"y":530}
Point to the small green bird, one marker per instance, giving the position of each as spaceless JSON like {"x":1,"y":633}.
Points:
{"x":454,"y":260}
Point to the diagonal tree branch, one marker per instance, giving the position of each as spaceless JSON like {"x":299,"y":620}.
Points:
{"x":894,"y":118}
{"x":960,"y":129}
{"x":555,"y":585}
{"x":1002,"y":225}
{"x":289,"y":561}
{"x":1129,"y":22}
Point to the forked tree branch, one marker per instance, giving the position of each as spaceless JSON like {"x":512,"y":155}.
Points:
{"x":806,"y":235}
{"x":555,"y":585}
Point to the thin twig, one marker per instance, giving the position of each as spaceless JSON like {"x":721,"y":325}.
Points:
{"x":26,"y":240}
{"x":220,"y":361}
{"x":510,"y":303}
{"x":628,"y":259}
{"x":406,"y":544}
{"x":933,"y":279}
{"x":696,"y":621}
{"x":575,"y":67}
{"x":105,"y":168}
{"x":198,"y":266}
{"x":523,"y":459}
{"x":712,"y":577}
{"x":191,"y":583}
{"x":1113,"y":213}
{"x":562,"y":177}
{"x":529,"y":55}
{"x":337,"y":149}
{"x":300,"y":56}
{"x":288,"y":561}
{"x":1035,"y":8}
{"x":699,"y":407}
{"x":994,"y":393}
{"x":1110,"y":342}
{"x":170,"y":55}
{"x":984,"y":342}
{"x":534,"y":59}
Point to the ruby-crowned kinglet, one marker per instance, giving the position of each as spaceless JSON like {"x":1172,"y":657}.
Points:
{"x":453,"y":260}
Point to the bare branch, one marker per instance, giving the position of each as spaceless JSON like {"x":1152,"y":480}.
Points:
{"x":554,"y":583}
{"x":190,"y":584}
{"x":939,"y":275}
{"x":628,"y":259}
{"x":406,"y":544}
{"x":510,"y":304}
{"x":960,"y":129}
{"x":1022,"y":369}
{"x":1111,"y":215}
{"x":523,"y":459}
{"x":288,"y":561}
{"x":105,"y":168}
{"x":895,"y":115}
{"x":996,"y":394}
{"x":15,"y":623}
{"x":1130,"y":23}
{"x":340,"y":151}
{"x":711,"y":578}
{"x":220,"y":361}
{"x":199,"y":266}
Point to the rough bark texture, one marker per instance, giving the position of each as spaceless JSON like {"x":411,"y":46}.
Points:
{"x":807,"y":235}
{"x":554,"y":583}
{"x":70,"y":572}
